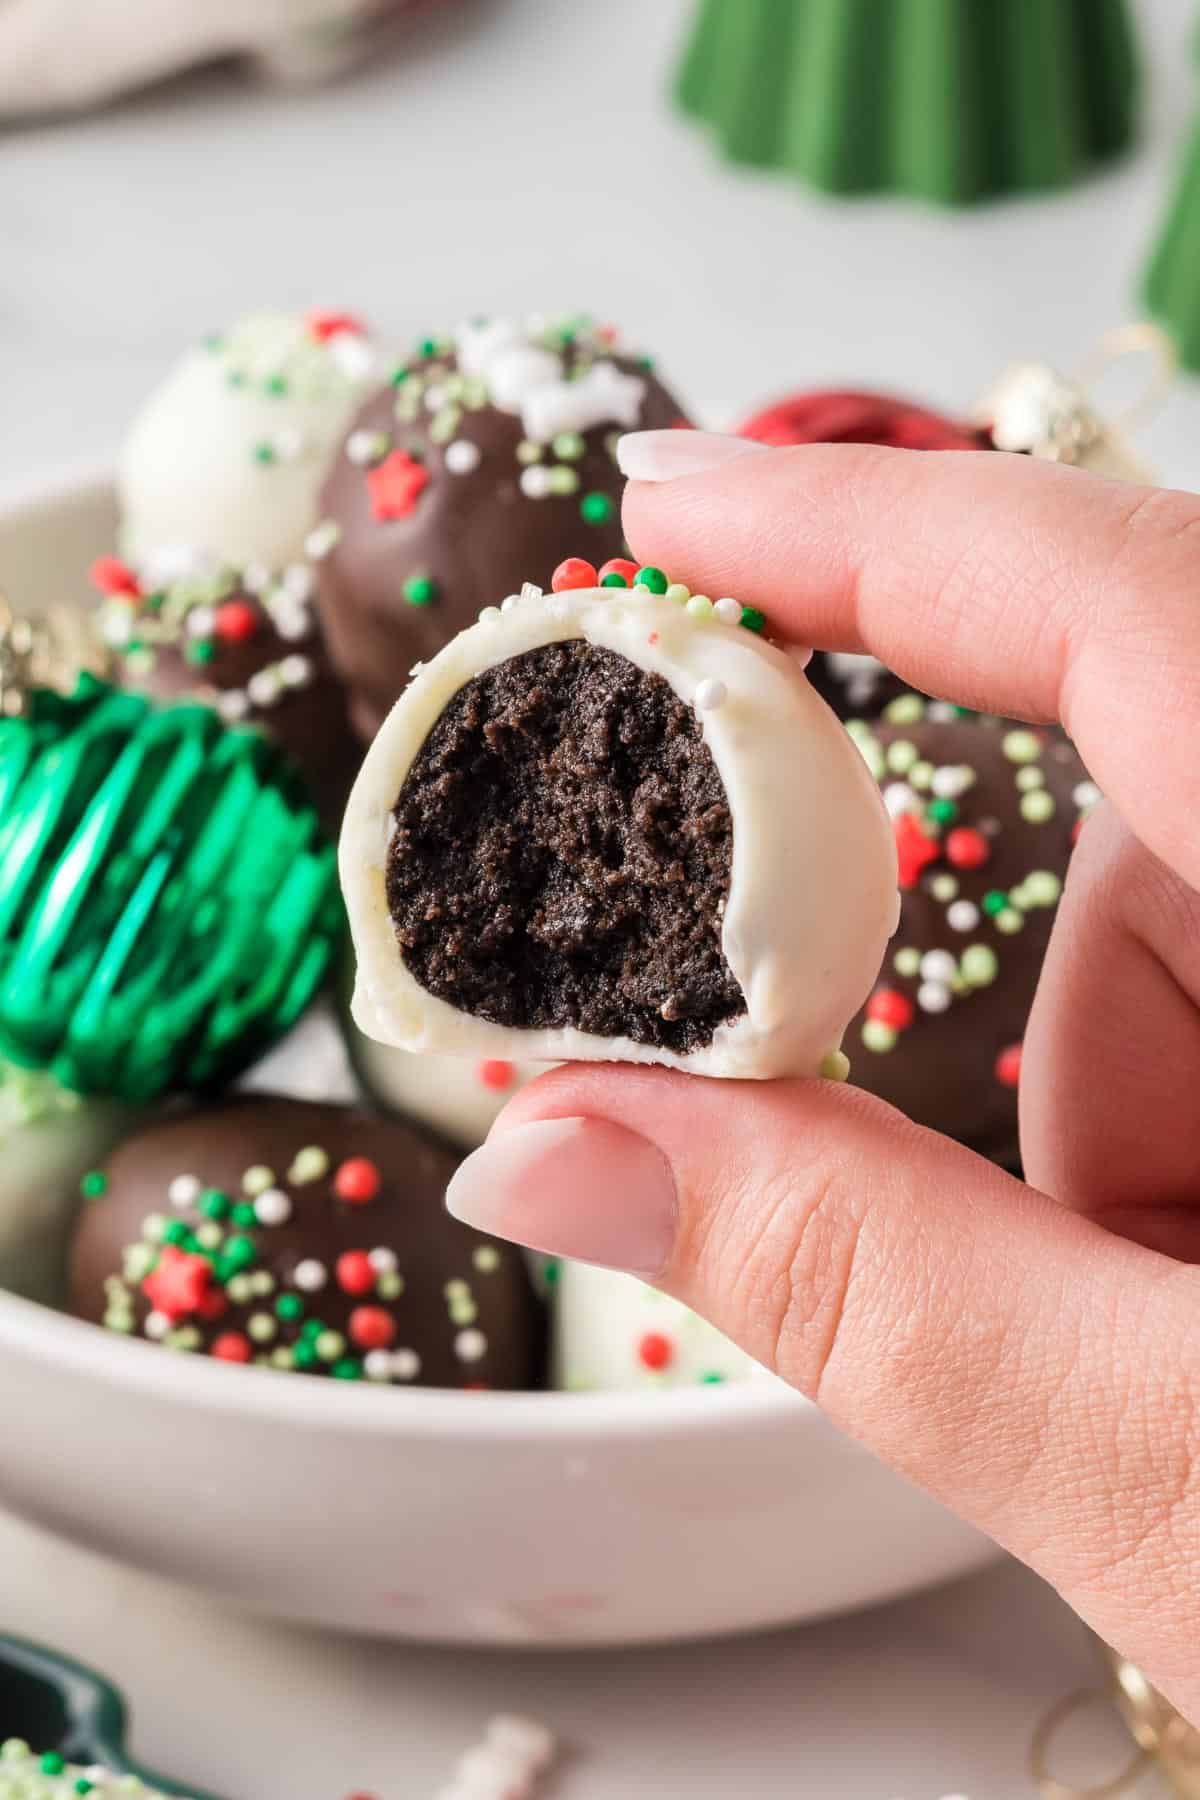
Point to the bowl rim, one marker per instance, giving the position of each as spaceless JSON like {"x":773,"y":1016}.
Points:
{"x":38,"y":1332}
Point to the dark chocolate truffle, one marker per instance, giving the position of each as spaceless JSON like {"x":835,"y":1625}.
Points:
{"x":305,"y":1238}
{"x":985,"y":813}
{"x":246,"y":642}
{"x":562,"y":852}
{"x":484,"y":462}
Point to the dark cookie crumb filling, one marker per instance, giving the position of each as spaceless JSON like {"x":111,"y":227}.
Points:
{"x":562,"y":854}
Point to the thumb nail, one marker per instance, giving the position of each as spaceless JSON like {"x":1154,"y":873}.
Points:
{"x":582,"y":1188}
{"x":666,"y":455}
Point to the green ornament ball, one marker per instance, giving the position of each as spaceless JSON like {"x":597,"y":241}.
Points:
{"x":168,"y":899}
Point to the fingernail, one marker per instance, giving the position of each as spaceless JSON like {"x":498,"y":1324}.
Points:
{"x":582,"y":1188}
{"x":666,"y":455}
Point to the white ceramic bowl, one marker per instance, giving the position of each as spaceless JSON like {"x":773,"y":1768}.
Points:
{"x":469,"y":1518}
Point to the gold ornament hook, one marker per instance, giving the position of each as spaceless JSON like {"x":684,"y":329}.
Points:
{"x":1048,"y":1785}
{"x":1119,"y":345}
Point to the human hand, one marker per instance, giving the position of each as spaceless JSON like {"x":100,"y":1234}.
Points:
{"x":1030,"y":1354}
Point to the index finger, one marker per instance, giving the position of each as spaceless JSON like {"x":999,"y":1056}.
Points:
{"x":1005,"y":584}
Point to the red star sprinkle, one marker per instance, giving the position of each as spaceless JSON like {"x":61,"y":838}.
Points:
{"x":913,"y":849}
{"x":323,"y":325}
{"x":395,"y":484}
{"x":180,"y":1284}
{"x":111,"y":576}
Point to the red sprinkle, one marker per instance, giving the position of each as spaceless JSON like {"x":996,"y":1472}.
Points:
{"x":180,"y":1283}
{"x":325,"y":325}
{"x":395,"y":485}
{"x":213,"y":1306}
{"x":357,"y":1180}
{"x":913,"y":849}
{"x":355,"y":1275}
{"x":1008,"y":1066}
{"x":620,"y":565}
{"x":574,"y":573}
{"x":231,"y":1346}
{"x":371,"y":1328}
{"x":967,"y":848}
{"x":112,"y":576}
{"x":890,"y":1007}
{"x":654,"y":1350}
{"x":495,"y":1074}
{"x":237,"y":621}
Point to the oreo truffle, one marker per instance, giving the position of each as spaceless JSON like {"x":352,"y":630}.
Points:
{"x":613,"y":1333}
{"x":305,"y":1238}
{"x":985,"y":813}
{"x":229,"y":452}
{"x":617,"y":822}
{"x":246,"y":642}
{"x":485,"y":459}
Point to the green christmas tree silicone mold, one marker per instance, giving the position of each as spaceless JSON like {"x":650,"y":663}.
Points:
{"x":943,"y":100}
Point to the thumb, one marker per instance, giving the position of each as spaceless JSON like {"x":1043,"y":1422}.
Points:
{"x":1006,"y":1354}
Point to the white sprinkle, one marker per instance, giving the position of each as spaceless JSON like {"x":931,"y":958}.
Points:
{"x":310,"y":1275}
{"x":256,"y":578}
{"x":531,"y":591}
{"x":535,"y":482}
{"x":321,"y":539}
{"x":377,"y":1365}
{"x":1086,"y":794}
{"x":489,"y":1772}
{"x":118,"y":627}
{"x":290,"y":444}
{"x":299,"y":582}
{"x":435,"y":397}
{"x":383,"y":1260}
{"x":962,"y":916}
{"x":526,"y":1737}
{"x":709,"y":695}
{"x":352,"y":354}
{"x":470,"y":1345}
{"x":557,"y":607}
{"x":728,"y":611}
{"x":295,"y":671}
{"x":899,"y":798}
{"x":951,"y":780}
{"x":510,"y":603}
{"x":933,"y":996}
{"x":490,"y":615}
{"x":938,"y":965}
{"x":942,"y":712}
{"x":291,"y":622}
{"x":264,"y":686}
{"x":233,"y":705}
{"x":364,"y":447}
{"x":201,"y":622}
{"x":462,"y":456}
{"x":184,"y":1191}
{"x":272,"y":1207}
{"x":157,"y":1325}
{"x":406,"y":1365}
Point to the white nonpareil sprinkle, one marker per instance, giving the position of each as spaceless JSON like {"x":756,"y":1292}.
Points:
{"x":933,"y":997}
{"x":233,"y":705}
{"x":184,"y":1191}
{"x":462,"y":456}
{"x":295,"y":671}
{"x":264,"y":686}
{"x":321,"y":539}
{"x":531,"y":591}
{"x":1086,"y":794}
{"x":383,"y":1260}
{"x":364,"y":447}
{"x":157,"y":1325}
{"x":963,"y":915}
{"x":405,"y":1365}
{"x":728,"y":611}
{"x":290,"y":444}
{"x":273,"y":1207}
{"x":256,"y":578}
{"x":709,"y":695}
{"x":899,"y":798}
{"x":532,"y":1739}
{"x":310,"y":1275}
{"x":299,"y":582}
{"x":470,"y":1345}
{"x":535,"y":481}
{"x":201,"y":622}
{"x":938,"y":965}
{"x":951,"y":780}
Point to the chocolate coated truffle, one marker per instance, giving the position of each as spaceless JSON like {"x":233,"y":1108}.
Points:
{"x":305,"y":1238}
{"x":243,"y":641}
{"x":617,"y":823}
{"x":985,"y":813}
{"x":484,"y":462}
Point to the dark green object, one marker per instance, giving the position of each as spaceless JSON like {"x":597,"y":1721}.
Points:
{"x":64,"y":1709}
{"x":168,"y":901}
{"x":944,"y":100}
{"x":1172,"y":280}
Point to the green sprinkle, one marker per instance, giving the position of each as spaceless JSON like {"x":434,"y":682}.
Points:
{"x":551,"y":1271}
{"x":907,"y":961}
{"x":289,"y":1306}
{"x":563,"y":481}
{"x":330,"y":1346}
{"x":652,"y":578}
{"x":94,"y":1183}
{"x":303,"y":1356}
{"x":1037,"y":806}
{"x":154,"y":1227}
{"x":1009,"y":921}
{"x":261,"y":1327}
{"x":614,"y":579}
{"x":238,"y":1254}
{"x":209,"y":1236}
{"x":244,"y":1214}
{"x":1030,"y":777}
{"x":177,"y":1233}
{"x":980,"y":965}
{"x":596,"y":508}
{"x":264,"y":453}
{"x":399,"y":376}
{"x":1042,"y":888}
{"x":236,"y":378}
{"x":457,"y":1289}
{"x":679,"y":593}
{"x":427,"y":347}
{"x":877,"y":1036}
{"x":308,"y":1165}
{"x":214,"y":1204}
{"x":1021,"y":746}
{"x":994,"y":902}
{"x":420,"y":590}
{"x":944,"y":887}
{"x":275,"y":384}
{"x":52,"y":1763}
{"x":835,"y":1066}
{"x":347,"y":1368}
{"x":240,"y":1289}
{"x":312,"y":1329}
{"x":200,"y":651}
{"x":389,"y":1285}
{"x":901,"y":756}
{"x":942,"y":812}
{"x":711,"y":1378}
{"x":905,"y":709}
{"x":699,"y":607}
{"x":752,"y":619}
{"x":258,"y":1179}
{"x":486,"y":1258}
{"x":568,"y":446}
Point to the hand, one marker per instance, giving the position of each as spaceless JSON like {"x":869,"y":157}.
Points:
{"x":1030,"y":1354}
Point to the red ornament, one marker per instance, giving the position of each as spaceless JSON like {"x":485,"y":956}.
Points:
{"x":111,"y":576}
{"x":355,"y":1274}
{"x":620,"y":565}
{"x":913,"y":849}
{"x":1008,"y":1066}
{"x":831,"y":417}
{"x":967,"y":848}
{"x":890,"y":1007}
{"x":180,"y":1284}
{"x":495,"y":1074}
{"x":574,"y":573}
{"x":654,"y":1350}
{"x":325,"y":325}
{"x":395,"y":484}
{"x":371,"y":1328}
{"x":237,"y":621}
{"x":357,"y":1180}
{"x":231,"y":1346}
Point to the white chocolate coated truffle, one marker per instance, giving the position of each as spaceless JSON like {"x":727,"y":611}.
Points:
{"x":458,"y":1097}
{"x":229,"y":452}
{"x":613,"y":1333}
{"x":812,"y":894}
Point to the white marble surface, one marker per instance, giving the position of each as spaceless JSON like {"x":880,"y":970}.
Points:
{"x":521,"y":156}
